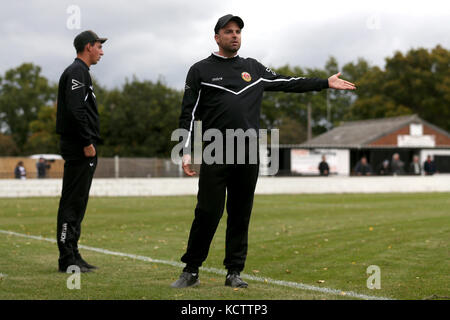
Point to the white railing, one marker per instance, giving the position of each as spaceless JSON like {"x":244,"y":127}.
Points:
{"x":11,"y":188}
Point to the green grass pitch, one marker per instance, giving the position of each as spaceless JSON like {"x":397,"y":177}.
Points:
{"x":326,"y":241}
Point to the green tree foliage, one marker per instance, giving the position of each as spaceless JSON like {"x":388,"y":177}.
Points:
{"x":138,"y":119}
{"x":415,"y":82}
{"x":43,"y":138}
{"x":8,"y":146}
{"x":291,"y":131}
{"x":23,"y":92}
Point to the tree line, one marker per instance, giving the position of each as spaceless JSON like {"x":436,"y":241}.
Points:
{"x":138,"y":117}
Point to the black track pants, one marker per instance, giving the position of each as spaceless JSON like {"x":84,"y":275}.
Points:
{"x":217,"y":180}
{"x":78,"y":174}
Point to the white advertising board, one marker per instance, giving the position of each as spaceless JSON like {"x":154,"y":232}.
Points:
{"x":306,"y":161}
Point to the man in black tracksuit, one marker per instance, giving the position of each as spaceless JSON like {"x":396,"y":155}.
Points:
{"x":77,"y":122}
{"x":225,"y":92}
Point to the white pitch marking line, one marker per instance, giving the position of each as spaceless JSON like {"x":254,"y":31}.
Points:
{"x":283,"y":283}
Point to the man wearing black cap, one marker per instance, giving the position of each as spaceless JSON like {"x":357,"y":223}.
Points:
{"x":225,"y":92}
{"x":77,"y":122}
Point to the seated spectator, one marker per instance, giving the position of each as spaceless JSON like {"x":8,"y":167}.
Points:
{"x":429,"y":167}
{"x":324,"y":169}
{"x":397,"y":165}
{"x":363,"y":168}
{"x":384,"y":169}
{"x":414,"y":166}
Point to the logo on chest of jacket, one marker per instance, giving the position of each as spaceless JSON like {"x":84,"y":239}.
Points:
{"x":217,"y":79}
{"x":246,"y":76}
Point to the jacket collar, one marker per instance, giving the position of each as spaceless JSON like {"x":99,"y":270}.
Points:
{"x":82,"y":63}
{"x":216,"y":54}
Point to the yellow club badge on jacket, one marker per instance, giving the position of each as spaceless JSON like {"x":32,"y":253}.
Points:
{"x":246,"y":76}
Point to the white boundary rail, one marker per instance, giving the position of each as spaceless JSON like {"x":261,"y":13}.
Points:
{"x":266,"y":185}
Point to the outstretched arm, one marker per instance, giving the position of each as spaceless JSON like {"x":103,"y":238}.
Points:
{"x":276,"y":82}
{"x":335,"y":83}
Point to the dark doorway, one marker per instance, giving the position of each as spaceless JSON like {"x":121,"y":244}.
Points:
{"x":442,"y":163}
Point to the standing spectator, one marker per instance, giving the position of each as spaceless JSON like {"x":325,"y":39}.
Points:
{"x":363,"y":168}
{"x":397,"y":165}
{"x":19,"y":171}
{"x":414,"y":167}
{"x":429,"y":167}
{"x":383,"y":169}
{"x":42,"y":167}
{"x":323,"y":167}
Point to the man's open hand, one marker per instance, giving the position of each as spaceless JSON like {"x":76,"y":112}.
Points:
{"x":187,"y":165}
{"x":335,"y":83}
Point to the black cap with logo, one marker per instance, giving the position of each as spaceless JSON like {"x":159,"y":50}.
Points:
{"x":225,"y":19}
{"x":86,"y":37}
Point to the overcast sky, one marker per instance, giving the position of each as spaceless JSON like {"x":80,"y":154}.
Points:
{"x":154,"y":39}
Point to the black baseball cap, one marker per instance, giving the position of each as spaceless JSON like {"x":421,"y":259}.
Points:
{"x":225,"y":19}
{"x":86,"y":37}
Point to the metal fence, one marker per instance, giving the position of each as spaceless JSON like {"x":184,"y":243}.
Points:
{"x":136,"y":168}
{"x":116,"y":167}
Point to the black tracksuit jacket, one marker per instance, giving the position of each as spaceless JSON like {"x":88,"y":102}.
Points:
{"x":77,"y":117}
{"x":226,"y":93}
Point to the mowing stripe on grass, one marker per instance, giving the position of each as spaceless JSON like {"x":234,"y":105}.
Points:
{"x":212,"y":270}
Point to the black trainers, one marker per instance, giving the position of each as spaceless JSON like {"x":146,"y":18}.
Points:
{"x":83,"y":269}
{"x":234,"y":280}
{"x":186,"y":279}
{"x":80,"y":261}
{"x":83,"y":263}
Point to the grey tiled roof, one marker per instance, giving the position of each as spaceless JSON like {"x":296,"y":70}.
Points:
{"x":356,"y":134}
